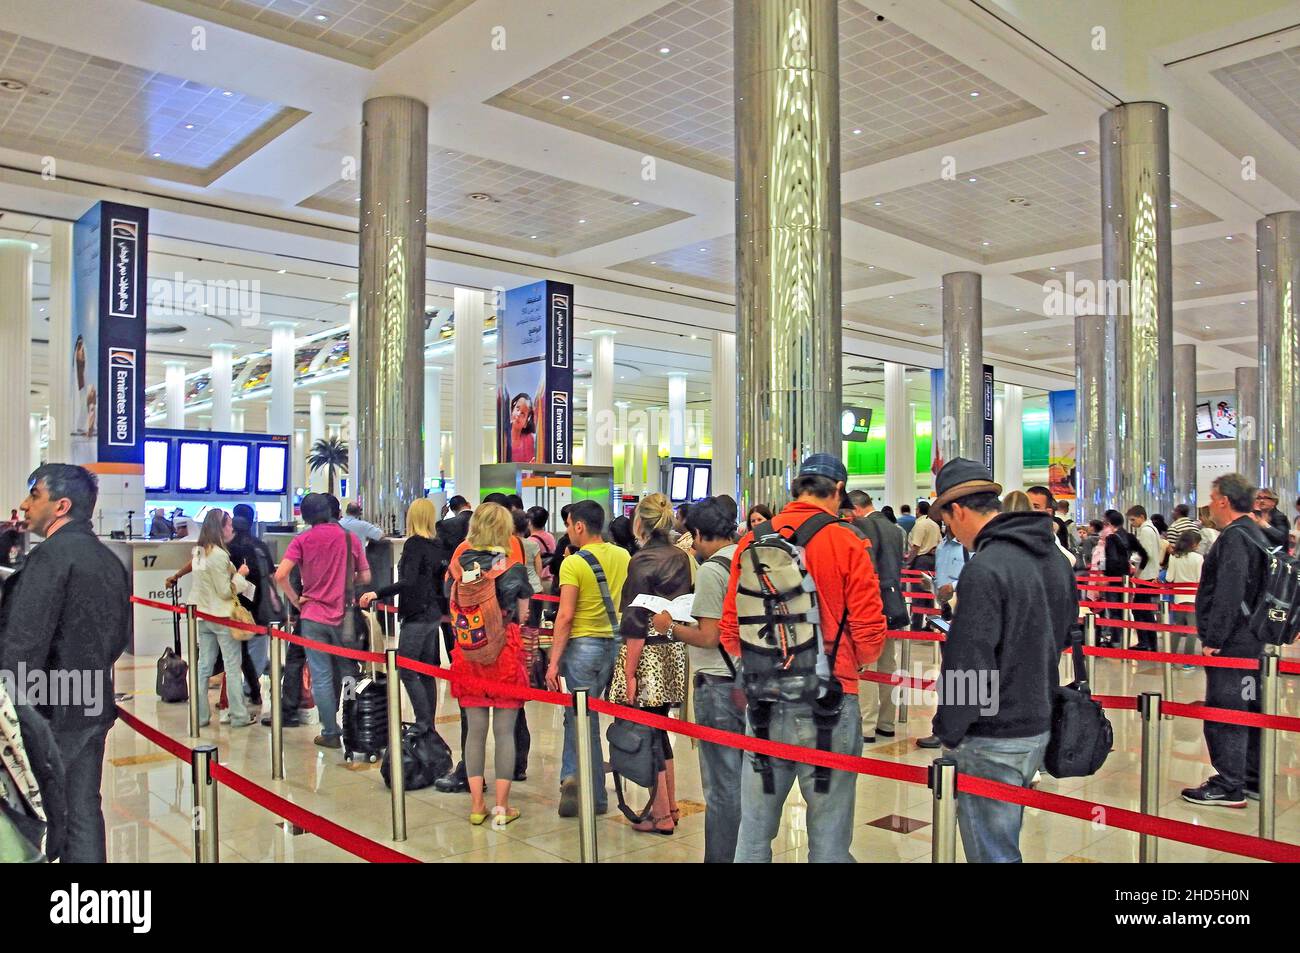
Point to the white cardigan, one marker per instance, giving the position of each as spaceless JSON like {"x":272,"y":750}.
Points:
{"x":213,"y":575}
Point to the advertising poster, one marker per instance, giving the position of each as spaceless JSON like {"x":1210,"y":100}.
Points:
{"x":535,"y":374}
{"x":987,"y":395}
{"x":1216,"y":418}
{"x":1062,"y":461}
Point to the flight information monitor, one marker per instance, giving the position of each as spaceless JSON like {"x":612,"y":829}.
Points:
{"x":192,"y":472}
{"x":270,"y":468}
{"x":157,"y":457}
{"x":232,"y":468}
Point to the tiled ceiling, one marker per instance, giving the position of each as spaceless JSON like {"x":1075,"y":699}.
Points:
{"x":712,"y":264}
{"x":1203,"y":269}
{"x":921,"y":313}
{"x":1270,"y":86}
{"x":525,"y":210}
{"x":90,"y":109}
{"x":1036,"y":346}
{"x":902,"y":93}
{"x":1234,"y":319}
{"x":1043,"y":202}
{"x":364,"y":32}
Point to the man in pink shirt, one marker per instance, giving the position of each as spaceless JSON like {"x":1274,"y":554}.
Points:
{"x":322,"y":559}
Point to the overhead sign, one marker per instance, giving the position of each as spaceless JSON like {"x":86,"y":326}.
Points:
{"x":535,"y":374}
{"x":855,"y":423}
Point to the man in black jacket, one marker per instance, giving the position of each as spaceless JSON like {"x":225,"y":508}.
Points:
{"x":887,"y":544}
{"x":1272,"y":521}
{"x":67,"y":615}
{"x":1018,"y":603}
{"x":1231,"y":578}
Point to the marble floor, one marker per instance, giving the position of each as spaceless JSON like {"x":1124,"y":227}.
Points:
{"x":147,"y":800}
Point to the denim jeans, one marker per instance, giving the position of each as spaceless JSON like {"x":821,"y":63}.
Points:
{"x":82,"y":751}
{"x":720,"y":768}
{"x":328,"y":673}
{"x":259,"y":650}
{"x":217,"y":639}
{"x":829,"y":816}
{"x":1234,"y":749}
{"x":587,"y":662}
{"x":990,"y":829}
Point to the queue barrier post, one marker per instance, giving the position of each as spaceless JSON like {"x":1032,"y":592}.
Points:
{"x":1090,"y":640}
{"x":396,"y":775}
{"x":587,"y":852}
{"x":192,"y":656}
{"x":204,"y":818}
{"x":904,"y":693}
{"x":1166,"y":646}
{"x":277,"y":713}
{"x":1126,"y":596}
{"x":943,"y":789}
{"x":1268,"y":668}
{"x":1149,"y":708}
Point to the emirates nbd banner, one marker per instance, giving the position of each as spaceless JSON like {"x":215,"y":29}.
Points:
{"x":110,"y":252}
{"x":535,"y":374}
{"x":937,"y":416}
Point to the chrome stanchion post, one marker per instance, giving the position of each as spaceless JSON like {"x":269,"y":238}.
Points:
{"x":396,"y":777}
{"x":1127,"y":597}
{"x":1149,"y":708}
{"x":277,"y":713}
{"x":586,"y":792}
{"x":1166,"y":646}
{"x":1268,"y":669}
{"x":905,"y":692}
{"x":943,"y":789}
{"x":1090,"y":640}
{"x":204,"y":819}
{"x":192,"y":651}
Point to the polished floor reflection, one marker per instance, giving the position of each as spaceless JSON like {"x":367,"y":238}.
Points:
{"x":147,"y":794}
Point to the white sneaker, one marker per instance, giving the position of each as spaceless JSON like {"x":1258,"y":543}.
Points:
{"x":225,"y":717}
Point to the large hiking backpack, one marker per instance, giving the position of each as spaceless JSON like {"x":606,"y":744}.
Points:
{"x":781,"y":649}
{"x":476,"y":616}
{"x":1275,"y":617}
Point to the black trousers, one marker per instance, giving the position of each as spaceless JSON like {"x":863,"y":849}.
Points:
{"x":1145,"y":640}
{"x":295,"y":660}
{"x":419,"y":643}
{"x":1234,"y":749}
{"x":83,"y":765}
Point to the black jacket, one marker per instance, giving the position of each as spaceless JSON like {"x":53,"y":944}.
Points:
{"x":1233,"y":574}
{"x":887,"y":545}
{"x":69,"y":611}
{"x":1279,"y":529}
{"x":453,"y":530}
{"x":419,"y":580}
{"x":1116,"y":559}
{"x":1018,"y":602}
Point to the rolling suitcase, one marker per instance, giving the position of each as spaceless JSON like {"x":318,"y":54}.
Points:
{"x":365,"y":709}
{"x":173,"y":671}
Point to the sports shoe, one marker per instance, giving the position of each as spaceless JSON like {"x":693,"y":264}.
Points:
{"x":868,"y":739}
{"x":285,"y":722}
{"x":1252,"y":793}
{"x":569,"y":797}
{"x":1211,"y":794}
{"x":930,"y":742}
{"x":251,"y":720}
{"x":224,"y":717}
{"x":328,"y":741}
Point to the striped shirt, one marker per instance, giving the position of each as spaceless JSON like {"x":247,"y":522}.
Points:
{"x":1180,"y":526}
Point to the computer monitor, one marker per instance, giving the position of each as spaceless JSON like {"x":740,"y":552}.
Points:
{"x":232,"y":468}
{"x":700,"y":479}
{"x":192,"y":472}
{"x":157,"y":460}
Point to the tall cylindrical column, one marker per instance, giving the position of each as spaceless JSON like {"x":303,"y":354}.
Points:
{"x":387,"y":463}
{"x":900,"y":439}
{"x":34,"y":440}
{"x":1249,"y":460}
{"x":59,"y":311}
{"x":787,"y":94}
{"x":723,"y":422}
{"x":237,"y":421}
{"x":279,"y":419}
{"x":600,"y":410}
{"x":676,"y":415}
{"x":15,"y":382}
{"x":298,"y":471}
{"x":175,"y":382}
{"x":960,"y":431}
{"x":1138,"y":295}
{"x":1184,"y":469}
{"x":432,"y":423}
{"x":1012,"y":437}
{"x":316,"y":431}
{"x":467,"y":424}
{"x":351,"y":419}
{"x":222,"y":358}
{"x":1094,"y":392}
{"x":1277,"y":238}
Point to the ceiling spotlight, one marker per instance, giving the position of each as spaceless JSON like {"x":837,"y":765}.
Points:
{"x":1173,"y":205}
{"x":986,"y":243}
{"x":532,"y":236}
{"x":582,"y":221}
{"x":227,"y":92}
{"x":321,"y":18}
{"x":703,"y":249}
{"x":280,"y":272}
{"x":1227,"y":238}
{"x":664,"y":50}
{"x":1051,"y":268}
{"x":157,"y":155}
{"x":857,"y":132}
{"x":566,"y":97}
{"x":654,"y":262}
{"x":974,"y":95}
{"x":636,"y":202}
{"x":11,"y":85}
{"x":972,"y":179}
{"x":1198,"y":282}
{"x":189,"y":125}
{"x":1082,"y":152}
{"x":877,"y":204}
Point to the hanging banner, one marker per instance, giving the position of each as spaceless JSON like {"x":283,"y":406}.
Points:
{"x":110,"y":252}
{"x":938,"y":422}
{"x":988,"y":417}
{"x":535,"y":374}
{"x":1062,"y":462}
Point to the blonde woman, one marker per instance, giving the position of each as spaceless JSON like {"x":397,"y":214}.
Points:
{"x":419,"y":578}
{"x":486,"y":552}
{"x":650,"y":670}
{"x":216,"y":584}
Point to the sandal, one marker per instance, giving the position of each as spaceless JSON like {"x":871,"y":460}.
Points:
{"x":477,"y":819}
{"x":651,"y":826}
{"x":501,"y":817}
{"x":676,"y":816}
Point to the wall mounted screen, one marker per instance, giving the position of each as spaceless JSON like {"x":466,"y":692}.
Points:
{"x":192,"y":473}
{"x":232,"y":468}
{"x":157,"y":456}
{"x":270,"y":468}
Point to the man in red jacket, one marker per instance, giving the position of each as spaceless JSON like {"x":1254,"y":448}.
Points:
{"x":847,"y":589}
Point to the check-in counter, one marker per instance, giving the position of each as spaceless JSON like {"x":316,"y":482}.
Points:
{"x":149,"y":562}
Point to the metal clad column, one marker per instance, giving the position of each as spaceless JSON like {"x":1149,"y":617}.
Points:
{"x":387,"y":463}
{"x":723,"y":421}
{"x":175,"y":394}
{"x":600,"y":408}
{"x":1012,"y":437}
{"x":1277,"y":240}
{"x":961,"y":430}
{"x":467,"y":424}
{"x":222,"y":359}
{"x":15,"y":382}
{"x":787,"y":238}
{"x":1248,"y":454}
{"x":60,"y":351}
{"x":900,"y":439}
{"x":1138,"y":292}
{"x":1094,"y":389}
{"x":1184,"y":470}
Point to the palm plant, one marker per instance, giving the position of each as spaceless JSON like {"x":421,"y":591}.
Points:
{"x":329,"y":453}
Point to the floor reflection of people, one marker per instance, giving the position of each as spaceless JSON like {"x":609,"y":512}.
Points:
{"x":523,"y":430}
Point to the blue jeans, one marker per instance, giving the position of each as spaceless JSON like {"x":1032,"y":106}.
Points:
{"x":328,"y":673}
{"x":259,"y":651}
{"x":720,"y":768}
{"x":213,"y":639}
{"x":990,"y":829}
{"x":587,"y":662}
{"x":830,"y":814}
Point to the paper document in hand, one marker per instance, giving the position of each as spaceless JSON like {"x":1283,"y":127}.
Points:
{"x":679,"y":608}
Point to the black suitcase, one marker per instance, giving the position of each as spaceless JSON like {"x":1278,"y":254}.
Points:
{"x":365,"y":720}
{"x":173,"y":684}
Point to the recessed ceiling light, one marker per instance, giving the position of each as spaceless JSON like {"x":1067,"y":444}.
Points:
{"x":1198,"y":282}
{"x":972,"y":179}
{"x":1227,"y":238}
{"x":1082,"y":152}
{"x":566,"y":97}
{"x":986,"y":243}
{"x":1051,"y":268}
{"x":227,"y":92}
{"x":1173,"y":205}
{"x":532,"y":236}
{"x":703,"y":249}
{"x":636,"y":202}
{"x":665,"y":50}
{"x":654,"y":262}
{"x":189,"y":125}
{"x":1207,"y":327}
{"x":871,"y":267}
{"x":877,"y":204}
{"x":582,"y":221}
{"x":857,"y":132}
{"x":321,"y":18}
{"x":974,"y":95}
{"x":891,"y":297}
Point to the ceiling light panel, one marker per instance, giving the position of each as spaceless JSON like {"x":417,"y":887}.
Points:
{"x":903,"y":93}
{"x":1270,"y":87}
{"x":921,"y":313}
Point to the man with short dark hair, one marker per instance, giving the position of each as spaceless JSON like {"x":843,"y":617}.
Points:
{"x":1041,"y":500}
{"x":887,"y":541}
{"x":1148,"y":538}
{"x":1018,"y":603}
{"x":905,"y":518}
{"x":67,"y":615}
{"x":1232,"y":577}
{"x":1182,"y":523}
{"x":353,"y":523}
{"x":515,"y":503}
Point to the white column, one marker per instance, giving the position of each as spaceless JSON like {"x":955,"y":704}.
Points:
{"x":16,"y":381}
{"x":638,"y":445}
{"x":319,"y":480}
{"x":298,"y":471}
{"x":280,"y":419}
{"x":726,"y":470}
{"x":655,"y":418}
{"x":467,"y":428}
{"x":60,"y":350}
{"x":223,"y":356}
{"x":237,"y":421}
{"x":600,"y":412}
{"x":175,"y":394}
{"x":34,"y":440}
{"x":432,"y":424}
{"x":350,"y":422}
{"x":1010,"y":436}
{"x":676,"y":415}
{"x":900,"y":439}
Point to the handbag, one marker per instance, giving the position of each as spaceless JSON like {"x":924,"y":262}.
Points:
{"x":239,"y":614}
{"x":1081,"y":735}
{"x":635,"y":753}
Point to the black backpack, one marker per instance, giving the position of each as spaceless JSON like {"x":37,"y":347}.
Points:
{"x":1081,"y":735}
{"x":1275,"y":617}
{"x":425,"y":758}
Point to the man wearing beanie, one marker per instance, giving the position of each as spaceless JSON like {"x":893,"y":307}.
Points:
{"x":1018,"y":603}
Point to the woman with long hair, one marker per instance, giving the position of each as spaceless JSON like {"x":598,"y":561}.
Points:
{"x":650,"y":669}
{"x":758,"y":513}
{"x":620,"y":534}
{"x":523,"y":429}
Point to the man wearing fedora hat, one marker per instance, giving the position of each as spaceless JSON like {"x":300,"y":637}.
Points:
{"x":1018,"y":603}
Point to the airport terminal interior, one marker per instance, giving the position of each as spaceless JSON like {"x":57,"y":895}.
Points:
{"x":601,"y":249}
